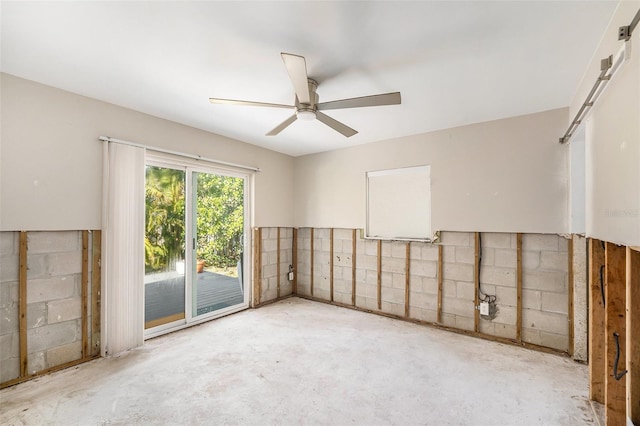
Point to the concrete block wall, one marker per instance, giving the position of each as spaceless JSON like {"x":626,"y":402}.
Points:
{"x":9,"y":336}
{"x":545,"y":290}
{"x":54,"y":301}
{"x":367,"y":274}
{"x":303,"y":271}
{"x":458,"y":289}
{"x":580,"y":297}
{"x":343,"y":265}
{"x":270,"y":258}
{"x":498,"y":277}
{"x":423,"y":285}
{"x":545,"y":280}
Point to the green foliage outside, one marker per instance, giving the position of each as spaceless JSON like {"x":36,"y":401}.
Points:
{"x":220,"y":218}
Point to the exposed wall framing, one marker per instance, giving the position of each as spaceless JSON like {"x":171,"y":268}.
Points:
{"x":56,"y":302}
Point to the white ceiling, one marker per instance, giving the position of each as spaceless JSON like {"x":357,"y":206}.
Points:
{"x":455,"y":63}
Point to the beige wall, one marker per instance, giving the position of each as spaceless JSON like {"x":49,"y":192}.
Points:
{"x":506,"y":175}
{"x":51,"y":160}
{"x":613,"y":139}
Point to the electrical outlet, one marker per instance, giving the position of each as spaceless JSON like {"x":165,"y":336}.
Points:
{"x":484,"y":308}
{"x":291,"y":278}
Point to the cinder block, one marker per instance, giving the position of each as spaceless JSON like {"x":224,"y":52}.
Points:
{"x":465,"y":290}
{"x":507,"y":295}
{"x":9,"y":369}
{"x":394,"y":265}
{"x":9,"y":242}
{"x":269,"y":270}
{"x":342,"y":298}
{"x":504,"y":330}
{"x":555,"y":282}
{"x":464,"y":323}
{"x":530,"y":335}
{"x":429,"y":285}
{"x":554,"y":261}
{"x":9,"y":268}
{"x":448,"y":254}
{"x":449,"y":289}
{"x":63,"y":354}
{"x":393,"y":295}
{"x":458,"y":271}
{"x":540,"y":242}
{"x":68,"y":263}
{"x":450,"y":238}
{"x":8,"y":293}
{"x":392,"y":308}
{"x":9,"y":319}
{"x":486,"y":327}
{"x":342,"y":234}
{"x":371,"y":277}
{"x":545,"y":321}
{"x":322,"y":233}
{"x":399,"y":250}
{"x":269,"y":245}
{"x":496,"y":240}
{"x":448,"y":320}
{"x":554,"y":302}
{"x":423,"y":314}
{"x":430,"y":252}
{"x":465,"y":255}
{"x":9,"y":347}
{"x":458,"y":307}
{"x":506,"y":258}
{"x":371,"y":248}
{"x":424,"y":268}
{"x":341,"y":259}
{"x":54,"y":241}
{"x":555,"y":341}
{"x":322,"y":293}
{"x":498,"y":276}
{"x":488,"y":256}
{"x":415,"y":251}
{"x":399,"y":281}
{"x":35,"y":362}
{"x":423,"y":301}
{"x":36,"y":314}
{"x":385,"y":249}
{"x":530,"y":260}
{"x":563,"y":244}
{"x":506,"y":315}
{"x":531,"y":299}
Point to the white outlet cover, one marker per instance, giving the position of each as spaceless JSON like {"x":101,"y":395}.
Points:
{"x":484,"y":308}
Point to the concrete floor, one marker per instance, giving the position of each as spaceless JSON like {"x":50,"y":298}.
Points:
{"x":301,"y":362}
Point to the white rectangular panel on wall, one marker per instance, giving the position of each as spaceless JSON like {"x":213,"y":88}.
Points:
{"x":399,"y":204}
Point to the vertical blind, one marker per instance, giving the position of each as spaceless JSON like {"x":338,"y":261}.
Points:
{"x":123,"y":250}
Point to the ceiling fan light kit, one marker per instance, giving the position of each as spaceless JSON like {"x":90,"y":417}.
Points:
{"x":306,"y":100}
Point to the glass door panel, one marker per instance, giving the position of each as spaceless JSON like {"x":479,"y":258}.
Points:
{"x":164,"y":244}
{"x":218,"y":242}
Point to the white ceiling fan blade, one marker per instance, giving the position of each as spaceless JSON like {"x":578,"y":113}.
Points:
{"x":297,"y":69}
{"x":336,"y":125}
{"x":364,"y":101}
{"x":248,"y":103}
{"x":280,"y":127}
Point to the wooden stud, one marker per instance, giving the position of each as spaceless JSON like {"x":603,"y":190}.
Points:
{"x":96,"y":290}
{"x":570,"y":284}
{"x":294,"y":260}
{"x":22,"y":304}
{"x":311,"y":273}
{"x":633,"y":335}
{"x":84,"y":293}
{"x":476,"y":282}
{"x":331,"y":264}
{"x":379,"y":292}
{"x":353,"y":267}
{"x":407,"y":275}
{"x":615,"y":304}
{"x":278,"y":264}
{"x":519,"y":287}
{"x":596,"y":321}
{"x":440,"y":280}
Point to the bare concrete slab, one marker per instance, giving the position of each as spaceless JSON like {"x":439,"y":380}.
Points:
{"x":302,"y":362}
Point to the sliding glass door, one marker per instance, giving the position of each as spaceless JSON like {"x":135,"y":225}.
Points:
{"x":196,"y":223}
{"x":218,"y":235}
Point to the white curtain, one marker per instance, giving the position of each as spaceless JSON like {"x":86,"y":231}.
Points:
{"x":123,"y":250}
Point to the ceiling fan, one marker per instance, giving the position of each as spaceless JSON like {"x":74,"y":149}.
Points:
{"x":306,"y":100}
